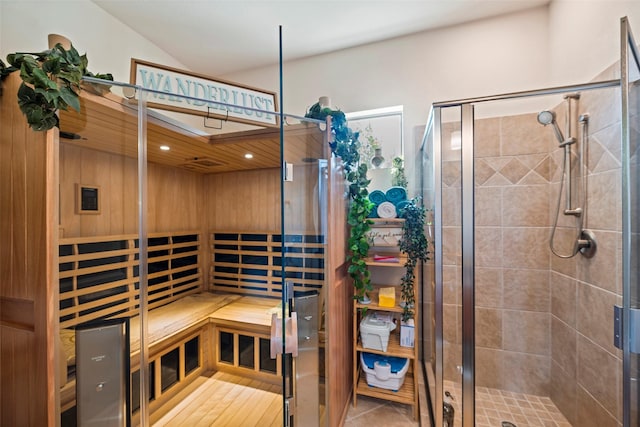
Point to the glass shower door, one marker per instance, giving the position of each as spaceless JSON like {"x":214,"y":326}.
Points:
{"x":630,"y":80}
{"x":304,"y":221}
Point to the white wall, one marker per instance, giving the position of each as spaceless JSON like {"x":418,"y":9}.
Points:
{"x":481,"y":58}
{"x":109,"y":44}
{"x":585,"y":37}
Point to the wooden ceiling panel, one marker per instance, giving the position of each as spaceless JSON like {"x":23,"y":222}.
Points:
{"x":109,"y":123}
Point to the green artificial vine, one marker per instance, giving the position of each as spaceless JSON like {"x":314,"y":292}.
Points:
{"x":413,"y":243}
{"x":345,"y":144}
{"x":50,"y":82}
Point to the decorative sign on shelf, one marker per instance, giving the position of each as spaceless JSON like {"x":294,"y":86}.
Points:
{"x":384,"y":235}
{"x":211,"y":94}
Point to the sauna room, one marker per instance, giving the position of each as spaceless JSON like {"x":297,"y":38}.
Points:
{"x":141,"y":209}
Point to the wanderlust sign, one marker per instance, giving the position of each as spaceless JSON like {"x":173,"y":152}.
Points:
{"x":215,"y":98}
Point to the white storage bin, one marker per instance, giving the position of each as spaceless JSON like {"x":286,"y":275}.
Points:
{"x":375,"y":329}
{"x":382,"y":371}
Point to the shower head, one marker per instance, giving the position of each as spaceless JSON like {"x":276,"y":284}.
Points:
{"x":547,"y":117}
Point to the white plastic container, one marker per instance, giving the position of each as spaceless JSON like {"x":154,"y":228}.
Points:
{"x":374,"y":331}
{"x":384,"y":371}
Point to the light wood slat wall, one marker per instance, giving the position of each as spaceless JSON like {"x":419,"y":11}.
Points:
{"x":125,"y":303}
{"x":234,"y":251}
{"x":175,"y":196}
{"x":29,"y":212}
{"x":250,"y":200}
{"x":243,"y":200}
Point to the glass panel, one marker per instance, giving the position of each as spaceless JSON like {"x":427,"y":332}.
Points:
{"x":100,"y":151}
{"x":191,"y":355}
{"x":267,"y":364}
{"x":542,"y":312}
{"x":425,"y":163}
{"x":226,"y":347}
{"x":135,"y":387}
{"x":634,"y":143}
{"x":99,"y":222}
{"x":631,"y":218}
{"x":304,"y":225}
{"x":170,"y":368}
{"x":246,"y":349}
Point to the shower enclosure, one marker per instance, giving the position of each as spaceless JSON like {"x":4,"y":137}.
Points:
{"x":534,"y":233}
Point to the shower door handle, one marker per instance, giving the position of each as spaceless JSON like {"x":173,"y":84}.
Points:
{"x":290,"y":335}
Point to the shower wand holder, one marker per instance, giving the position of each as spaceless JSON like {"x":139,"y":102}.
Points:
{"x":573,"y":212}
{"x":567,"y":141}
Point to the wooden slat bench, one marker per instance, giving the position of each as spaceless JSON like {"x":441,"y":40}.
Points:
{"x":242,"y":337}
{"x":170,"y":328}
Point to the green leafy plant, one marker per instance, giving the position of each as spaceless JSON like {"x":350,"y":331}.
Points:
{"x":51,"y":81}
{"x":398,"y":177}
{"x":414,"y":244}
{"x":346,"y":145}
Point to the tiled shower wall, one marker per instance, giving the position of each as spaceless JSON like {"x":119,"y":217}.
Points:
{"x":543,"y":324}
{"x":585,"y":366}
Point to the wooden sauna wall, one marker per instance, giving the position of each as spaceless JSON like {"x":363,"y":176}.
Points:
{"x":28,"y":302}
{"x":250,"y":200}
{"x":339,"y":301}
{"x":174,"y":196}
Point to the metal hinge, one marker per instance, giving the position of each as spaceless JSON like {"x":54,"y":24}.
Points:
{"x":288,"y":290}
{"x":288,"y":171}
{"x":287,"y":411}
{"x":634,"y":329}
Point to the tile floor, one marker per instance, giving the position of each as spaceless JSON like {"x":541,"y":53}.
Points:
{"x":372,"y":412}
{"x":494,"y":406}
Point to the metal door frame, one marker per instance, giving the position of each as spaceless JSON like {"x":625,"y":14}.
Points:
{"x":627,"y":47}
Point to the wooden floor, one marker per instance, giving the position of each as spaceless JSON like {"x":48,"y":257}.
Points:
{"x":225,"y":400}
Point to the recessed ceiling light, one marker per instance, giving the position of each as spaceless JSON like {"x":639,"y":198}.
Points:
{"x":248,"y":156}
{"x":165,"y":148}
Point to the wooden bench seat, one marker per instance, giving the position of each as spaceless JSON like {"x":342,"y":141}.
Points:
{"x":168,"y":326}
{"x":163,"y":322}
{"x":242,"y":337}
{"x":205,"y":315}
{"x":251,"y":313}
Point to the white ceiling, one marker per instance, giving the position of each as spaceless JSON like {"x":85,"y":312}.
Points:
{"x":217,"y":37}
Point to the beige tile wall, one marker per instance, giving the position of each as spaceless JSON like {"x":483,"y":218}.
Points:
{"x":543,"y":324}
{"x":586,"y":367}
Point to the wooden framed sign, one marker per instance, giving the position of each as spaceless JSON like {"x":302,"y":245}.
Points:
{"x":215,"y":98}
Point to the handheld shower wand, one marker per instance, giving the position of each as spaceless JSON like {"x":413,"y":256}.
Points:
{"x":584,"y":240}
{"x":547,"y":117}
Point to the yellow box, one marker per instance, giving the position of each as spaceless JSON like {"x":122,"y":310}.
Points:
{"x":387,"y":297}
